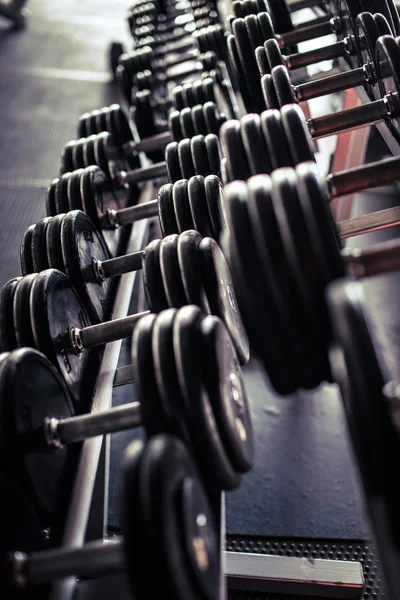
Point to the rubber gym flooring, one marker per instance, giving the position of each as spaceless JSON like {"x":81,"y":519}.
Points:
{"x":303,"y":495}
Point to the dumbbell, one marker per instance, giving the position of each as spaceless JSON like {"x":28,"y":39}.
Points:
{"x":177,"y":270}
{"x":283,"y":250}
{"x":186,"y":204}
{"x":371,"y":404}
{"x":200,"y":119}
{"x":366,"y":75}
{"x":359,"y":49}
{"x":158,"y":350}
{"x":160,"y":470}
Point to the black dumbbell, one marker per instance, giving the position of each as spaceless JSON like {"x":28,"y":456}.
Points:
{"x":186,"y":204}
{"x":366,"y":75}
{"x":283,"y":249}
{"x":33,"y":384}
{"x":177,"y":270}
{"x":358,"y":49}
{"x":371,"y":406}
{"x":201,"y":119}
{"x":161,"y":470}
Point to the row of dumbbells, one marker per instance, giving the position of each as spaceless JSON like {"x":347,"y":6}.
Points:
{"x":186,"y":267}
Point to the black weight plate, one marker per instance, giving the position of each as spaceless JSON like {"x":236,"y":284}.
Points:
{"x":250,"y":290}
{"x":367,"y":34}
{"x":197,"y":203}
{"x":118,"y":122}
{"x":8,"y":341}
{"x":188,"y":95}
{"x":394,"y":13}
{"x":200,"y":155}
{"x":166,"y":211}
{"x":269,"y":92}
{"x":273,"y":54}
{"x":221,"y":295}
{"x":103,"y":123}
{"x":53,"y":243}
{"x":81,"y":130}
{"x":62,"y":203}
{"x":177,"y":98}
{"x":383,"y":27}
{"x":170,"y":272}
{"x":213,"y":189}
{"x":283,"y":87}
{"x":254,"y":144}
{"x":180,"y":200}
{"x":51,"y":209}
{"x":151,"y":407}
{"x":200,"y":89}
{"x":172,"y":162}
{"x":34,"y":390}
{"x":81,"y":243}
{"x":102,"y":145}
{"x":21,"y":314}
{"x":77,"y":154}
{"x":199,"y":123}
{"x":166,"y":375}
{"x":185,"y":118}
{"x":190,"y":264}
{"x":253,"y":31}
{"x":237,"y":72}
{"x":297,"y":133}
{"x":279,"y":154}
{"x":186,"y":161}
{"x":279,"y":291}
{"x":208,"y":91}
{"x":280,"y":13}
{"x":266,"y":26}
{"x":233,"y":149}
{"x":38,"y":245}
{"x":262,"y":62}
{"x":73,"y":190}
{"x":248,"y":64}
{"x":168,"y":476}
{"x":238,"y":9}
{"x":89,"y":156}
{"x":225,"y":387}
{"x":213,"y":119}
{"x":54,"y":307}
{"x":214,"y":154}
{"x":25,"y":253}
{"x":174,"y":126}
{"x":152,"y":278}
{"x":217,"y":469}
{"x":303,"y":266}
{"x":67,"y":163}
{"x":91,"y":124}
{"x":250,"y":7}
{"x":387,"y":62}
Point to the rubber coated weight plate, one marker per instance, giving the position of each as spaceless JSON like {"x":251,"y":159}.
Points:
{"x":225,"y":387}
{"x":166,"y":374}
{"x":248,"y":64}
{"x":233,"y":149}
{"x":214,"y":190}
{"x":282,"y":20}
{"x":199,"y":123}
{"x":81,"y":244}
{"x":103,"y":147}
{"x":185,"y":117}
{"x":214,"y":154}
{"x":81,"y":130}
{"x":269,"y":92}
{"x":238,"y":9}
{"x":240,"y":82}
{"x":8,"y":341}
{"x":200,"y":155}
{"x":170,"y":272}
{"x":197,"y":203}
{"x":250,"y":291}
{"x":53,"y":243}
{"x":73,"y":190}
{"x":298,"y":134}
{"x":253,"y":31}
{"x":273,"y":54}
{"x":214,"y":462}
{"x":103,"y":123}
{"x":280,"y":304}
{"x":67,"y":163}
{"x":174,"y":126}
{"x":188,"y":94}
{"x":25,"y":254}
{"x":166,"y":212}
{"x":262,"y":63}
{"x":279,"y":154}
{"x":185,"y":159}
{"x":302,"y":265}
{"x":254,"y":144}
{"x":172,"y":162}
{"x":21,"y":316}
{"x":387,"y":61}
{"x":34,"y":390}
{"x":38,"y":245}
{"x":283,"y":87}
{"x":221,"y":295}
{"x":54,"y":308}
{"x":181,"y":205}
{"x":62,"y":203}
{"x":77,"y":154}
{"x":151,"y":406}
{"x":265,"y":25}
{"x":51,"y":209}
{"x":367,"y":34}
{"x":177,"y":98}
{"x":167,"y":475}
{"x":152,"y":278}
{"x":191,"y":264}
{"x":213,"y":120}
{"x":89,"y":156}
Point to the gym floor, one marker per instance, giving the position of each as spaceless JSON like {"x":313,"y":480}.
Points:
{"x":303,"y":497}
